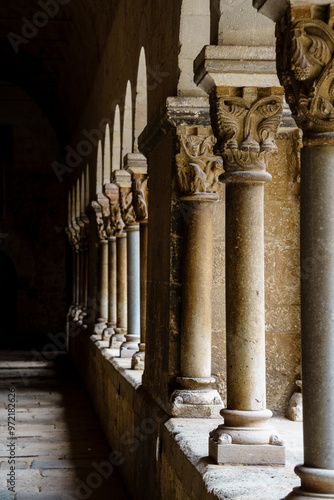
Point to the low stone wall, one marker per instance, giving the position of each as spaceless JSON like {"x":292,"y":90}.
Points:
{"x":162,"y":458}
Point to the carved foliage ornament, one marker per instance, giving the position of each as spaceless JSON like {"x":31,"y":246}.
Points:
{"x":101,"y":234}
{"x":117,"y":223}
{"x":198,"y":168}
{"x":306,"y":70}
{"x":247,"y":130}
{"x":139,"y":199}
{"x":128,"y":213}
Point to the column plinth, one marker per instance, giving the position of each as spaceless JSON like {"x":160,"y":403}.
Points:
{"x":132,"y":337}
{"x":121,"y":285}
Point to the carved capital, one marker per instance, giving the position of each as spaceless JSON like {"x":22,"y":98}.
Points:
{"x":103,"y":201}
{"x":245,"y":122}
{"x":305,"y":65}
{"x":140,"y":195}
{"x":128,"y":212}
{"x":112,"y":192}
{"x":198,"y":168}
{"x":97,"y":209}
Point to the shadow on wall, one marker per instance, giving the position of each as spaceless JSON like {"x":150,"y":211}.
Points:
{"x":8,"y":303}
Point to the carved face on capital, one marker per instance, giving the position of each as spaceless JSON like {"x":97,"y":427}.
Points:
{"x":306,"y":69}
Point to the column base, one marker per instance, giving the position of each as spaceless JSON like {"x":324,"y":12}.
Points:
{"x":130,"y":346}
{"x":246,"y":438}
{"x":118,"y":338}
{"x":108,"y":332}
{"x":316,"y":483}
{"x":138,"y":360}
{"x":99,"y":327}
{"x":196,"y":399}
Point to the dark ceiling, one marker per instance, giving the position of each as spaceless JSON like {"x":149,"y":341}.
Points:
{"x":57,"y":57}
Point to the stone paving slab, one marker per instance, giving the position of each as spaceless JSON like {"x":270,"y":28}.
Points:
{"x":58,"y":436}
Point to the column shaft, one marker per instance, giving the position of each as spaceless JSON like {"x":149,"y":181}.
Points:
{"x":133,"y":284}
{"x":112,"y":289}
{"x":317,"y":304}
{"x":245,"y":336}
{"x":143,"y":282}
{"x":102,"y":298}
{"x":196,"y":291}
{"x":138,"y":359}
{"x":121,"y":284}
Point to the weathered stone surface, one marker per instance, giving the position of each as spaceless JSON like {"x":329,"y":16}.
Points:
{"x":55,"y":445}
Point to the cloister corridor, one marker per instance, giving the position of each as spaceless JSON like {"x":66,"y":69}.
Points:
{"x":59,"y":443}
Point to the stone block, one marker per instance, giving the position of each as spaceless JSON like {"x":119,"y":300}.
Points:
{"x":266,"y":454}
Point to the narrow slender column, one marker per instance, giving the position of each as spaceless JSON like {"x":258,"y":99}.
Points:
{"x":246,"y":120}
{"x":136,"y":165}
{"x":197,"y":169}
{"x":112,"y":284}
{"x":132,"y":337}
{"x":77,"y":282}
{"x":103,"y":290}
{"x":102,"y":287}
{"x":138,"y":359}
{"x":305,"y":59}
{"x":119,"y":337}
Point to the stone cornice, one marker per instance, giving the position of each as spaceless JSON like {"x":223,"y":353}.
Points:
{"x":235,"y":66}
{"x":176,"y":111}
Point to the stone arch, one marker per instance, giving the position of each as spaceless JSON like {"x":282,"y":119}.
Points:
{"x":106,"y":156}
{"x":141,"y":98}
{"x":99,"y":168}
{"x":116,"y":142}
{"x":127,"y":122}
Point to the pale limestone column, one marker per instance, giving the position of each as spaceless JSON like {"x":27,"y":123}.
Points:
{"x":111,"y":191}
{"x":197,"y":171}
{"x":102,"y":287}
{"x":136,"y":165}
{"x":122,"y":180}
{"x":112,"y":270}
{"x":245,"y":121}
{"x":305,"y":58}
{"x":119,"y":337}
{"x":132,"y":337}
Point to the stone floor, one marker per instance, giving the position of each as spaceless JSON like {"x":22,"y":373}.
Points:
{"x":61,"y":452}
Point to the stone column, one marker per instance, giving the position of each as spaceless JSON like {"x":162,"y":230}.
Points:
{"x":305,"y":61}
{"x":121,"y":179}
{"x":245,"y":121}
{"x":136,"y":165}
{"x":132,"y":337}
{"x":112,"y":193}
{"x":197,"y":171}
{"x":102,"y":290}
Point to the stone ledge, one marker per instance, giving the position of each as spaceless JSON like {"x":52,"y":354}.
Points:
{"x":185,"y":464}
